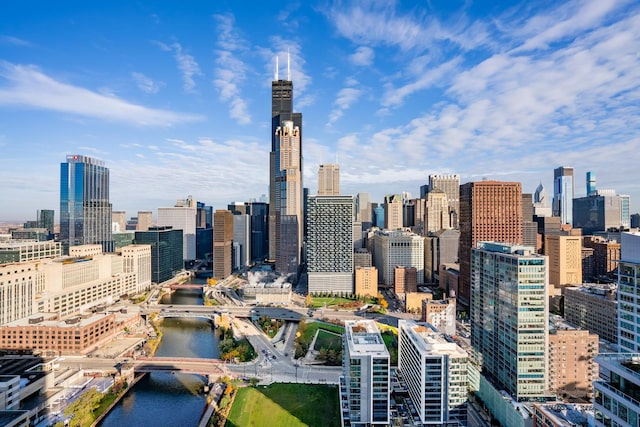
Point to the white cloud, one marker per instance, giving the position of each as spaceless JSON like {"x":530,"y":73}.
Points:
{"x":15,"y":41}
{"x":564,"y":21}
{"x":28,"y":87}
{"x":346,"y":98}
{"x":519,"y":115}
{"x":426,"y":79}
{"x":186,"y":64}
{"x":212,"y":166}
{"x":379,"y":24}
{"x":363,"y":56}
{"x":146,"y":84}
{"x":230,"y":71}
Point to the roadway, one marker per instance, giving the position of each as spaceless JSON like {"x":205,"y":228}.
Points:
{"x":274,"y":363}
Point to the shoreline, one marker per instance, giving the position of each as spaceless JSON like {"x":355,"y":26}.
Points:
{"x":108,"y":409}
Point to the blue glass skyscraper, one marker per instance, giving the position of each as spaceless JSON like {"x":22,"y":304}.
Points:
{"x":85,"y":211}
{"x":563,"y":192}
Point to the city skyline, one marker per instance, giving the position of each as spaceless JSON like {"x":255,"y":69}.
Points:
{"x":175,"y":101}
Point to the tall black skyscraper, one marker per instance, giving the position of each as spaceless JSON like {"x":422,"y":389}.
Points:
{"x":285,"y":126}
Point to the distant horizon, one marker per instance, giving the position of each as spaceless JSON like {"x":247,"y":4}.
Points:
{"x":176,"y":99}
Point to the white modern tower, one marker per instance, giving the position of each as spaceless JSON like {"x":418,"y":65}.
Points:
{"x":434,"y":370}
{"x":365,"y":380}
{"x":510,"y":318}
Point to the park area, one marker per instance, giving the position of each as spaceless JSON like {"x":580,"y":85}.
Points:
{"x":289,"y":405}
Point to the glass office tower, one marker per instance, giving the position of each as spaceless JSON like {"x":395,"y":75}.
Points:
{"x":85,"y":211}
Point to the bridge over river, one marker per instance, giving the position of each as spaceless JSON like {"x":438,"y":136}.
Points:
{"x":190,"y":365}
{"x":291,"y":314}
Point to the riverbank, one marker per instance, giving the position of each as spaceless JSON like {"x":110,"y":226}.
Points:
{"x":106,"y":411}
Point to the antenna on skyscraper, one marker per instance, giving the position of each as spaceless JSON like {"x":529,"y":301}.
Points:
{"x":276,"y":79}
{"x":288,"y":65}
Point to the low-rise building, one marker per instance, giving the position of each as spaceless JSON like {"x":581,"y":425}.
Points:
{"x":441,"y":314}
{"x":13,"y":251}
{"x":559,"y":414}
{"x":572,"y":368}
{"x":593,"y":307}
{"x":76,"y":336}
{"x":366,"y":281}
{"x":413,"y":301}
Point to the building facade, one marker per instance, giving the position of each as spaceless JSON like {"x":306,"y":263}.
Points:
{"x":615,"y":400}
{"x":563,"y":193}
{"x":439,"y":248}
{"x":145,"y":220}
{"x":166,"y":251}
{"x":365,"y":382}
{"x":450,"y":184}
{"x":181,"y":218}
{"x":289,"y":225}
{"x":393,"y":212}
{"x":510,"y":318}
{"x":405,"y":280}
{"x":489,"y":210}
{"x":222,"y":243}
{"x":435,"y":372}
{"x":593,"y":307}
{"x":329,"y":247}
{"x":329,"y":179}
{"x":285,"y":177}
{"x":13,"y":251}
{"x":366,"y":281}
{"x":598,"y":212}
{"x":628,"y":291}
{"x":85,"y":210}
{"x":572,"y":367}
{"x":394,"y":248}
{"x":565,"y":259}
{"x":437,"y":213}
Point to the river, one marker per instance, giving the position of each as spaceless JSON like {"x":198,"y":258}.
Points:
{"x":164,"y":399}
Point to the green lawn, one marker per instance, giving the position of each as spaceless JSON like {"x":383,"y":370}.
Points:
{"x":285,"y":405}
{"x":328,"y":340}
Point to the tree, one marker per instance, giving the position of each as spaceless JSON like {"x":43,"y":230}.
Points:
{"x":308,"y":301}
{"x":81,"y":410}
{"x":383,"y":302}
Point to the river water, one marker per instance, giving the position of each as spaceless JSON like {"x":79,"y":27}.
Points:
{"x":164,"y":399}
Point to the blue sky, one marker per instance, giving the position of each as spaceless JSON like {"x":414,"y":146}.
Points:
{"x":175,"y":96}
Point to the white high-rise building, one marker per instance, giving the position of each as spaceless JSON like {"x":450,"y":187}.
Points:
{"x":434,"y":370}
{"x":398,"y":248}
{"x":329,"y":244}
{"x":615,"y":393}
{"x":510,"y":317}
{"x":628,"y":289}
{"x":365,"y":381}
{"x":181,"y":218}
